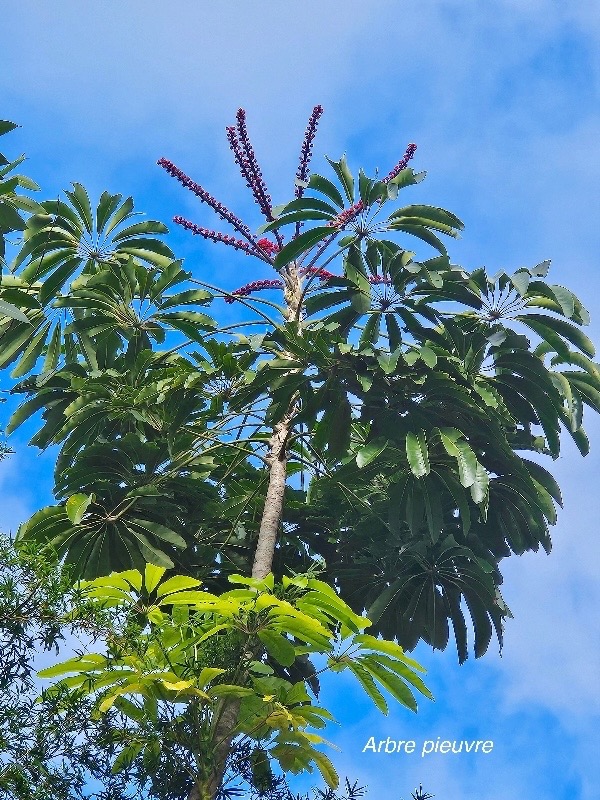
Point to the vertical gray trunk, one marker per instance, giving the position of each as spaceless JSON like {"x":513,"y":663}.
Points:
{"x":265,"y":548}
{"x":273,"y":510}
{"x":207,"y":788}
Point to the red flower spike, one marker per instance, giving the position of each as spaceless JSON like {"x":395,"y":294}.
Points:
{"x":254,"y":286}
{"x":323,"y":274}
{"x":346,"y":216}
{"x":403,"y":163}
{"x":206,"y":197}
{"x":215,"y":236}
{"x":239,"y":143}
{"x":306,"y":150}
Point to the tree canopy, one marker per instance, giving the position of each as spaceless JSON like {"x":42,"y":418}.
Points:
{"x":369,"y":431}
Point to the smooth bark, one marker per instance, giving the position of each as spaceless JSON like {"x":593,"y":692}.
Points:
{"x":273,"y":510}
{"x":270,"y":523}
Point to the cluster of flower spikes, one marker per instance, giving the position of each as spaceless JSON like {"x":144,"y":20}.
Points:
{"x":348,"y":214}
{"x":245,"y":158}
{"x":265,"y":249}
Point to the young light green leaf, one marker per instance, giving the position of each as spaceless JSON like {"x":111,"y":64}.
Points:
{"x":77,"y":505}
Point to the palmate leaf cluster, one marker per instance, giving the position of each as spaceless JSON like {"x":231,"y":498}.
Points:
{"x":417,"y":385}
{"x":174,"y":660}
{"x":14,"y":206}
{"x":57,"y":745}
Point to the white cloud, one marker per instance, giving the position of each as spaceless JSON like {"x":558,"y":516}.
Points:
{"x":552,"y":653}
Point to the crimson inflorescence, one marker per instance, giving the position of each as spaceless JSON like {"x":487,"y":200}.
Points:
{"x":347,"y":215}
{"x":306,"y":150}
{"x":402,"y":164}
{"x":205,"y":197}
{"x":215,"y":236}
{"x":245,"y":158}
{"x":255,"y":286}
{"x":269,"y":247}
{"x":323,"y":274}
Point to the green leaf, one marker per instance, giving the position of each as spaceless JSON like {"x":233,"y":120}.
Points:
{"x":152,"y":576}
{"x":370,"y":452}
{"x":345,"y":176}
{"x":176,"y":584}
{"x":339,"y":428}
{"x":304,"y":242}
{"x":433,"y":508}
{"x":428,"y":356}
{"x":278,"y":647}
{"x":407,"y":177}
{"x":543,"y":477}
{"x":421,"y":233}
{"x":467,"y":463}
{"x":487,"y":394}
{"x":121,"y":214}
{"x":480,"y":486}
{"x":77,"y":505}
{"x":326,"y":187}
{"x":80,"y":199}
{"x":520,"y":281}
{"x":31,"y":353}
{"x":541,"y":324}
{"x":326,"y":768}
{"x":295,"y":216}
{"x":85,"y":663}
{"x":10,"y":219}
{"x":107,"y":205}
{"x":161,"y":532}
{"x":230,"y":690}
{"x":6,"y":126}
{"x":58,"y":278}
{"x":370,"y":687}
{"x":417,"y":453}
{"x":130,"y":752}
{"x":8,"y":310}
{"x":429,"y":213}
{"x":565,"y":298}
{"x":541,"y":269}
{"x":391,"y":682}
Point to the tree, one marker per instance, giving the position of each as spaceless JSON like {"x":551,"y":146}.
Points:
{"x":48,"y":746}
{"x":56,"y":745}
{"x":373,"y":429}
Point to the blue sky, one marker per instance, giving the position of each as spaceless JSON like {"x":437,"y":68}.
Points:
{"x":502,"y":98}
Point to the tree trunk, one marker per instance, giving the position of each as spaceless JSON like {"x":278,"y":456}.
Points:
{"x":265,"y":548}
{"x":273,"y":510}
{"x":207,"y":788}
